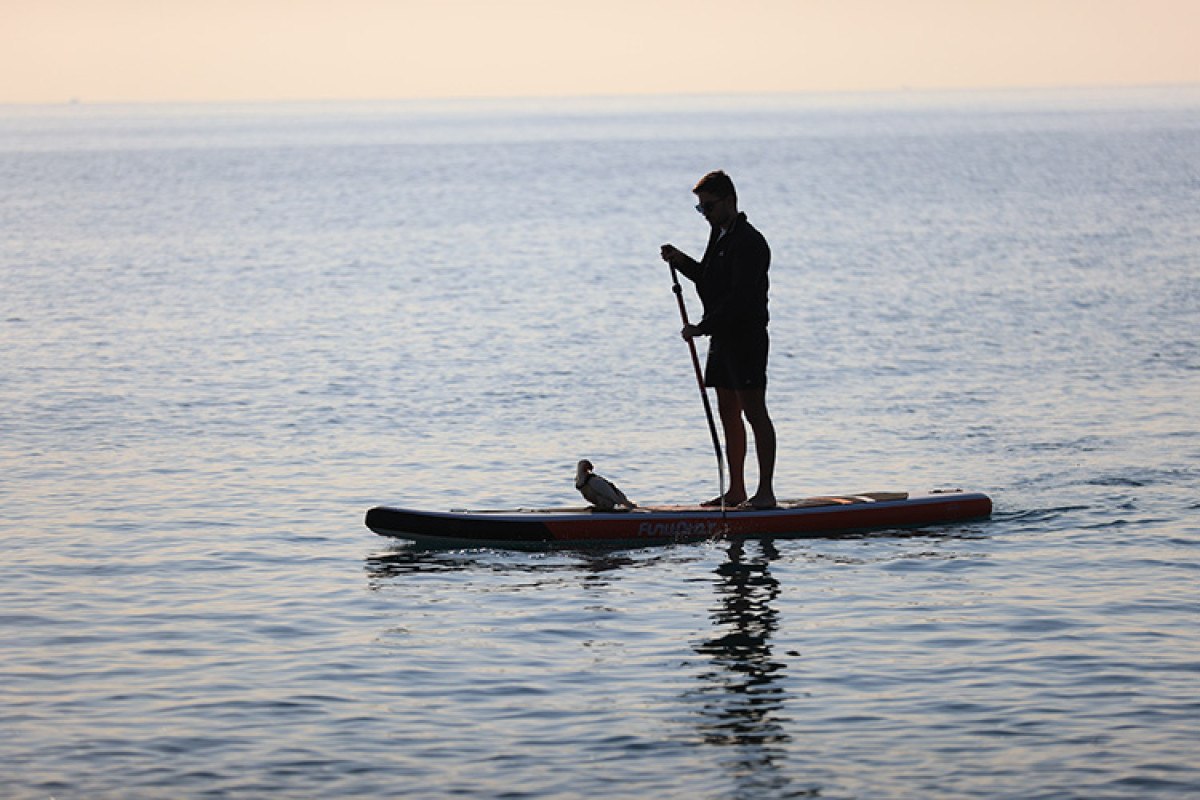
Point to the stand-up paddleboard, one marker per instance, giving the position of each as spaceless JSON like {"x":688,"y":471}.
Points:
{"x":813,"y":517}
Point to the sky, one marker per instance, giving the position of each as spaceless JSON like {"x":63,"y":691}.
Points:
{"x":55,"y":51}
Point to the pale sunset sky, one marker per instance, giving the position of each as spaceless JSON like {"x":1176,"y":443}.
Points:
{"x":53,"y":51}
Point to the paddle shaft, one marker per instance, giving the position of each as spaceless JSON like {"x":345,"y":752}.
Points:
{"x":712,"y":425}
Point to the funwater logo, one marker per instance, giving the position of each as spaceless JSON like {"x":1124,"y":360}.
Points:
{"x":680,"y":527}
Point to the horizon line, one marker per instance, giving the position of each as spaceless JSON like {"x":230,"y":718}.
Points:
{"x":593,"y":96}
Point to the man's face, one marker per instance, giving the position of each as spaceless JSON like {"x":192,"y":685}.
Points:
{"x":719,"y":211}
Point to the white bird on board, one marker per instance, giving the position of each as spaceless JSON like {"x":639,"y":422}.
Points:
{"x":598,"y":491}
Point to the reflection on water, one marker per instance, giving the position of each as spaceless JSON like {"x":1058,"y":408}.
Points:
{"x":741,"y":700}
{"x":738,"y":699}
{"x":411,"y":560}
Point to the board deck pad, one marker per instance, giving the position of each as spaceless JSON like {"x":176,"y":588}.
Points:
{"x":807,"y":502}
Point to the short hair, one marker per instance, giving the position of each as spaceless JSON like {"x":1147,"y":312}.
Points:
{"x":718,"y":183}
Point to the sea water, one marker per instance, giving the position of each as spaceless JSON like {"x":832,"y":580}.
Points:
{"x":229,"y":330}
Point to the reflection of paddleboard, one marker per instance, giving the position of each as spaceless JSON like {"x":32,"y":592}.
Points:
{"x":813,"y":517}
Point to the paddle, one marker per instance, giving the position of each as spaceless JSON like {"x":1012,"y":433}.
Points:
{"x":712,"y":426}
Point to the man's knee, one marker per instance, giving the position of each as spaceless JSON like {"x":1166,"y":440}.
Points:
{"x":753,"y":402}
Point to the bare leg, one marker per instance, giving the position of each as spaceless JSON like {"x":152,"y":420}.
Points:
{"x":753,"y":403}
{"x":730,"y":408}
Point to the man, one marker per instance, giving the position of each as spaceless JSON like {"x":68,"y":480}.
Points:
{"x":731,"y":280}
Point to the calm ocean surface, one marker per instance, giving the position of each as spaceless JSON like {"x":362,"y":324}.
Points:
{"x":229,"y":330}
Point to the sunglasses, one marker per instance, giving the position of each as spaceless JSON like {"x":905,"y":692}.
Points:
{"x":704,"y":208}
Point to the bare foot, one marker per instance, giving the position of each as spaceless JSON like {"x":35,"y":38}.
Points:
{"x":730,"y":500}
{"x":762,"y":501}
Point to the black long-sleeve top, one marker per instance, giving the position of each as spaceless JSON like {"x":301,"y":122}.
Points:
{"x":731,"y":279}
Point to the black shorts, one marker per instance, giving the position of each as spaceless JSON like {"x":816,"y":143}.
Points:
{"x":738,"y":361}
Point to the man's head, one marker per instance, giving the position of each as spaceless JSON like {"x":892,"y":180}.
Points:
{"x":716,"y":183}
{"x":718,"y":198}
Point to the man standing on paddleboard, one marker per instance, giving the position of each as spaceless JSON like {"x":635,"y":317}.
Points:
{"x":731,"y":280}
